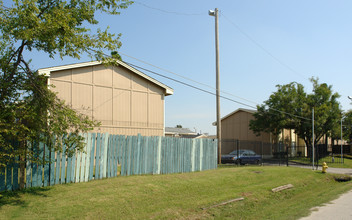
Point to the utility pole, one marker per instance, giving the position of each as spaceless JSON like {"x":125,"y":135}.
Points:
{"x":313,"y":136}
{"x":218,"y":119}
{"x":341,"y":142}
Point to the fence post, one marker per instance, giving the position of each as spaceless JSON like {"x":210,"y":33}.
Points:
{"x":262,"y":144}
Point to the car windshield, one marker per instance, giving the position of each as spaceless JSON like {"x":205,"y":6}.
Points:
{"x":235,"y":152}
{"x":240,"y":152}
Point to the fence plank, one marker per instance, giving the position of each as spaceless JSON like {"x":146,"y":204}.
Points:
{"x":129,"y":155}
{"x":115,"y":165}
{"x":46,"y":165}
{"x":122,"y":159}
{"x":52,"y":166}
{"x":146,"y":154}
{"x":35,"y":166}
{"x":138,"y":153}
{"x":88,"y":151}
{"x":97,"y":158}
{"x":57,"y":173}
{"x":73,"y":167}
{"x":92,"y":152}
{"x":109,"y":152}
{"x":69,"y":169}
{"x":9,"y":177}
{"x":83,"y":162}
{"x":105,"y":154}
{"x":63,"y":164}
{"x":78,"y":166}
{"x":111,"y":157}
{"x":28,"y":168}
{"x":102,"y":157}
{"x":159,"y":154}
{"x":133,"y":154}
{"x":2,"y":179}
{"x":40,"y":164}
{"x":15,"y":175}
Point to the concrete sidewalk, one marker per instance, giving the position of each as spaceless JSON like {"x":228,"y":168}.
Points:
{"x":337,"y":209}
{"x":340,"y":208}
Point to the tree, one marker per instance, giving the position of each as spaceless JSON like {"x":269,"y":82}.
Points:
{"x":277,"y":112}
{"x":291,"y":108}
{"x":29,"y":110}
{"x":347,"y":126}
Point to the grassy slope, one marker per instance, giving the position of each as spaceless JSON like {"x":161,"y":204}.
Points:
{"x":180,"y":196}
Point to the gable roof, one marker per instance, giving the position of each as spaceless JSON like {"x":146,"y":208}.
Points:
{"x":47,"y":72}
{"x":182,"y":131}
{"x":234,"y":112}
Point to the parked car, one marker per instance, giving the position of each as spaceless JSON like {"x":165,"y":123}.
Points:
{"x":241,"y":157}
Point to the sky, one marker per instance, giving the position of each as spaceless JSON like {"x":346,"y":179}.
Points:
{"x":262,"y":44}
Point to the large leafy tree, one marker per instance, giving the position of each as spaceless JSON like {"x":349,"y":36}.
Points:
{"x":347,"y":126}
{"x":290,"y":107}
{"x":29,"y":110}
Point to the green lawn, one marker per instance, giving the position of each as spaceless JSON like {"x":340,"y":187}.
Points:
{"x":178,"y":196}
{"x":347,"y":163}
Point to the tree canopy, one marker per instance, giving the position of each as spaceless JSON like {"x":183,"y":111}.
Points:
{"x":290,"y":107}
{"x":29,"y":109}
{"x":347,"y":126}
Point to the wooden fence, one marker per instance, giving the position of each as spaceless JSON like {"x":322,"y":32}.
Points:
{"x":107,"y":156}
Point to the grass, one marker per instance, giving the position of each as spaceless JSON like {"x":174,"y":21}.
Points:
{"x":180,"y":196}
{"x":346,"y":164}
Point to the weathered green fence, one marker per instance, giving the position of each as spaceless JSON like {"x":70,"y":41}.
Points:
{"x":104,"y":154}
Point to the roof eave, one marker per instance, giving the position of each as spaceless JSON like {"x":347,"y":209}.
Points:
{"x":47,"y":72}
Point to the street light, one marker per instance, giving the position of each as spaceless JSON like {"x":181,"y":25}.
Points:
{"x":218,"y":119}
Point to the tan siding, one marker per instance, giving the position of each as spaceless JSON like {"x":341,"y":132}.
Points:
{"x":82,"y":75}
{"x":82,"y":100}
{"x":102,"y":75}
{"x":122,"y":78}
{"x":122,"y":107}
{"x":63,"y":89}
{"x":154,"y":89}
{"x":139,"y":84}
{"x":102,"y":109}
{"x":156,"y":110}
{"x":139,"y":109}
{"x":236,"y":126}
{"x":124,"y":102}
{"x":62,"y":75}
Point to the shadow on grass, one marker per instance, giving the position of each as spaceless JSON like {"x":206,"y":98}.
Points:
{"x":15,"y":197}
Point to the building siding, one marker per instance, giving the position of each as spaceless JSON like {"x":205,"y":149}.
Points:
{"x":124,"y":102}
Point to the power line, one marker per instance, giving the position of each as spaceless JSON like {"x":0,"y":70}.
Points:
{"x":168,"y":12}
{"x":189,"y":85}
{"x":212,"y":93}
{"x":262,"y":47}
{"x":192,"y":86}
{"x":199,"y":83}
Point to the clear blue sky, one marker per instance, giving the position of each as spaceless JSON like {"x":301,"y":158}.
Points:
{"x":262,"y":44}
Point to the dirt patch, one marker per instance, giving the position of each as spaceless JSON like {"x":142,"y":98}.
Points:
{"x":246,"y":194}
{"x":342,"y":178}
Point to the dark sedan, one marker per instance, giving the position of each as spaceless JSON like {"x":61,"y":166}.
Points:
{"x":241,"y":157}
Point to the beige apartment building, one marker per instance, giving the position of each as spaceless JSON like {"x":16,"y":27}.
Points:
{"x":125,"y":100}
{"x":235,"y":126}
